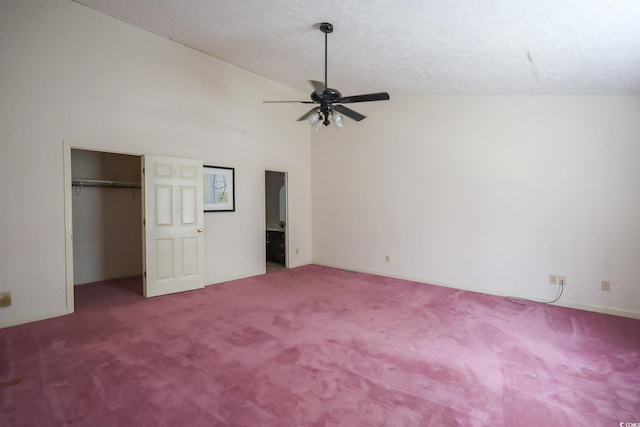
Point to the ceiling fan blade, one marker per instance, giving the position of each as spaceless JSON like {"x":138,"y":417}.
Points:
{"x":380,"y":96}
{"x":307,"y":114}
{"x":318,"y":87}
{"x":349,"y":112}
{"x":280,"y":102}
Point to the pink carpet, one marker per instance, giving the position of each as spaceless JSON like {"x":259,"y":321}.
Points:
{"x":318,"y":346}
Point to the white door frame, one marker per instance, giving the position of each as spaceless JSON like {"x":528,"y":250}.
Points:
{"x":68,"y":213}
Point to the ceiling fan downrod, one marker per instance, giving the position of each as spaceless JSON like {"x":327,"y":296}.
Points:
{"x":326,"y":28}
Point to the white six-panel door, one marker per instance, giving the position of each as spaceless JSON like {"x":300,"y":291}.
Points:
{"x":173,"y":218}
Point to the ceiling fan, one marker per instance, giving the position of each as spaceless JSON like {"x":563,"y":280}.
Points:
{"x":330,"y":100}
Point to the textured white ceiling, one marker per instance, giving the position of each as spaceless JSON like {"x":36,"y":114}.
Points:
{"x":411,"y":46}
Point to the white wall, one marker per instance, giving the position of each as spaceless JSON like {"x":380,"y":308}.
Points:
{"x":107,"y":234}
{"x":69,"y":73}
{"x":488,"y":193}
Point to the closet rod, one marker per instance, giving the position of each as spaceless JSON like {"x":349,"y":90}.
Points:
{"x":104,"y":183}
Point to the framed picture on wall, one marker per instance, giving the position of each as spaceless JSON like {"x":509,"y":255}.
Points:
{"x":219,"y":189}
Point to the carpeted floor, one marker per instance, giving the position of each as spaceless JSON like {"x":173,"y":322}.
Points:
{"x":318,"y":346}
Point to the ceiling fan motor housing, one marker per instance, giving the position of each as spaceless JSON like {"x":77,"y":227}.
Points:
{"x":328,"y":95}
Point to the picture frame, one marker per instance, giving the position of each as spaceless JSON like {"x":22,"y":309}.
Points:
{"x":219,"y":189}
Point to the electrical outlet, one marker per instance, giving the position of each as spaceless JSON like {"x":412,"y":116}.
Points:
{"x":386,"y":258}
{"x":553,"y":279}
{"x":297,"y":251}
{"x":606,"y":285}
{"x":562,"y":281}
{"x":5,"y":299}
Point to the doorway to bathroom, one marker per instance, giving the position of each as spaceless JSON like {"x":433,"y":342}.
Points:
{"x":276,"y":220}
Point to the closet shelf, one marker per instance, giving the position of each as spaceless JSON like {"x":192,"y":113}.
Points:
{"x":103,"y":183}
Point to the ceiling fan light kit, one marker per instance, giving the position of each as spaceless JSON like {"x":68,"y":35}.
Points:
{"x":330,"y":100}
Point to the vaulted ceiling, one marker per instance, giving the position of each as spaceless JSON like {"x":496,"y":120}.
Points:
{"x":411,"y":46}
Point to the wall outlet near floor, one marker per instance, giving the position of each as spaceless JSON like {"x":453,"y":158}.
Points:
{"x":562,"y":281}
{"x":5,"y":299}
{"x":553,"y":279}
{"x":386,"y":258}
{"x":297,"y":251}
{"x":606,"y":285}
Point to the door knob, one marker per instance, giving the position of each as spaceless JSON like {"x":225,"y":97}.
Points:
{"x":199,"y":230}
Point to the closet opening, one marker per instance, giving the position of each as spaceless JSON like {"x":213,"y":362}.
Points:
{"x":107,"y":220}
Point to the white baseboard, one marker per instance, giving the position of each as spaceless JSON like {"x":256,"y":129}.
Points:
{"x":600,"y":309}
{"x":237,"y":277}
{"x":22,"y":321}
{"x":569,"y":304}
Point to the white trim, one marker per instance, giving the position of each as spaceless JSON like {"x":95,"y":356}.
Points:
{"x":16,"y":322}
{"x":567,"y":304}
{"x":287,"y":249}
{"x":600,"y":309}
{"x":68,"y":226}
{"x":235,"y":277}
